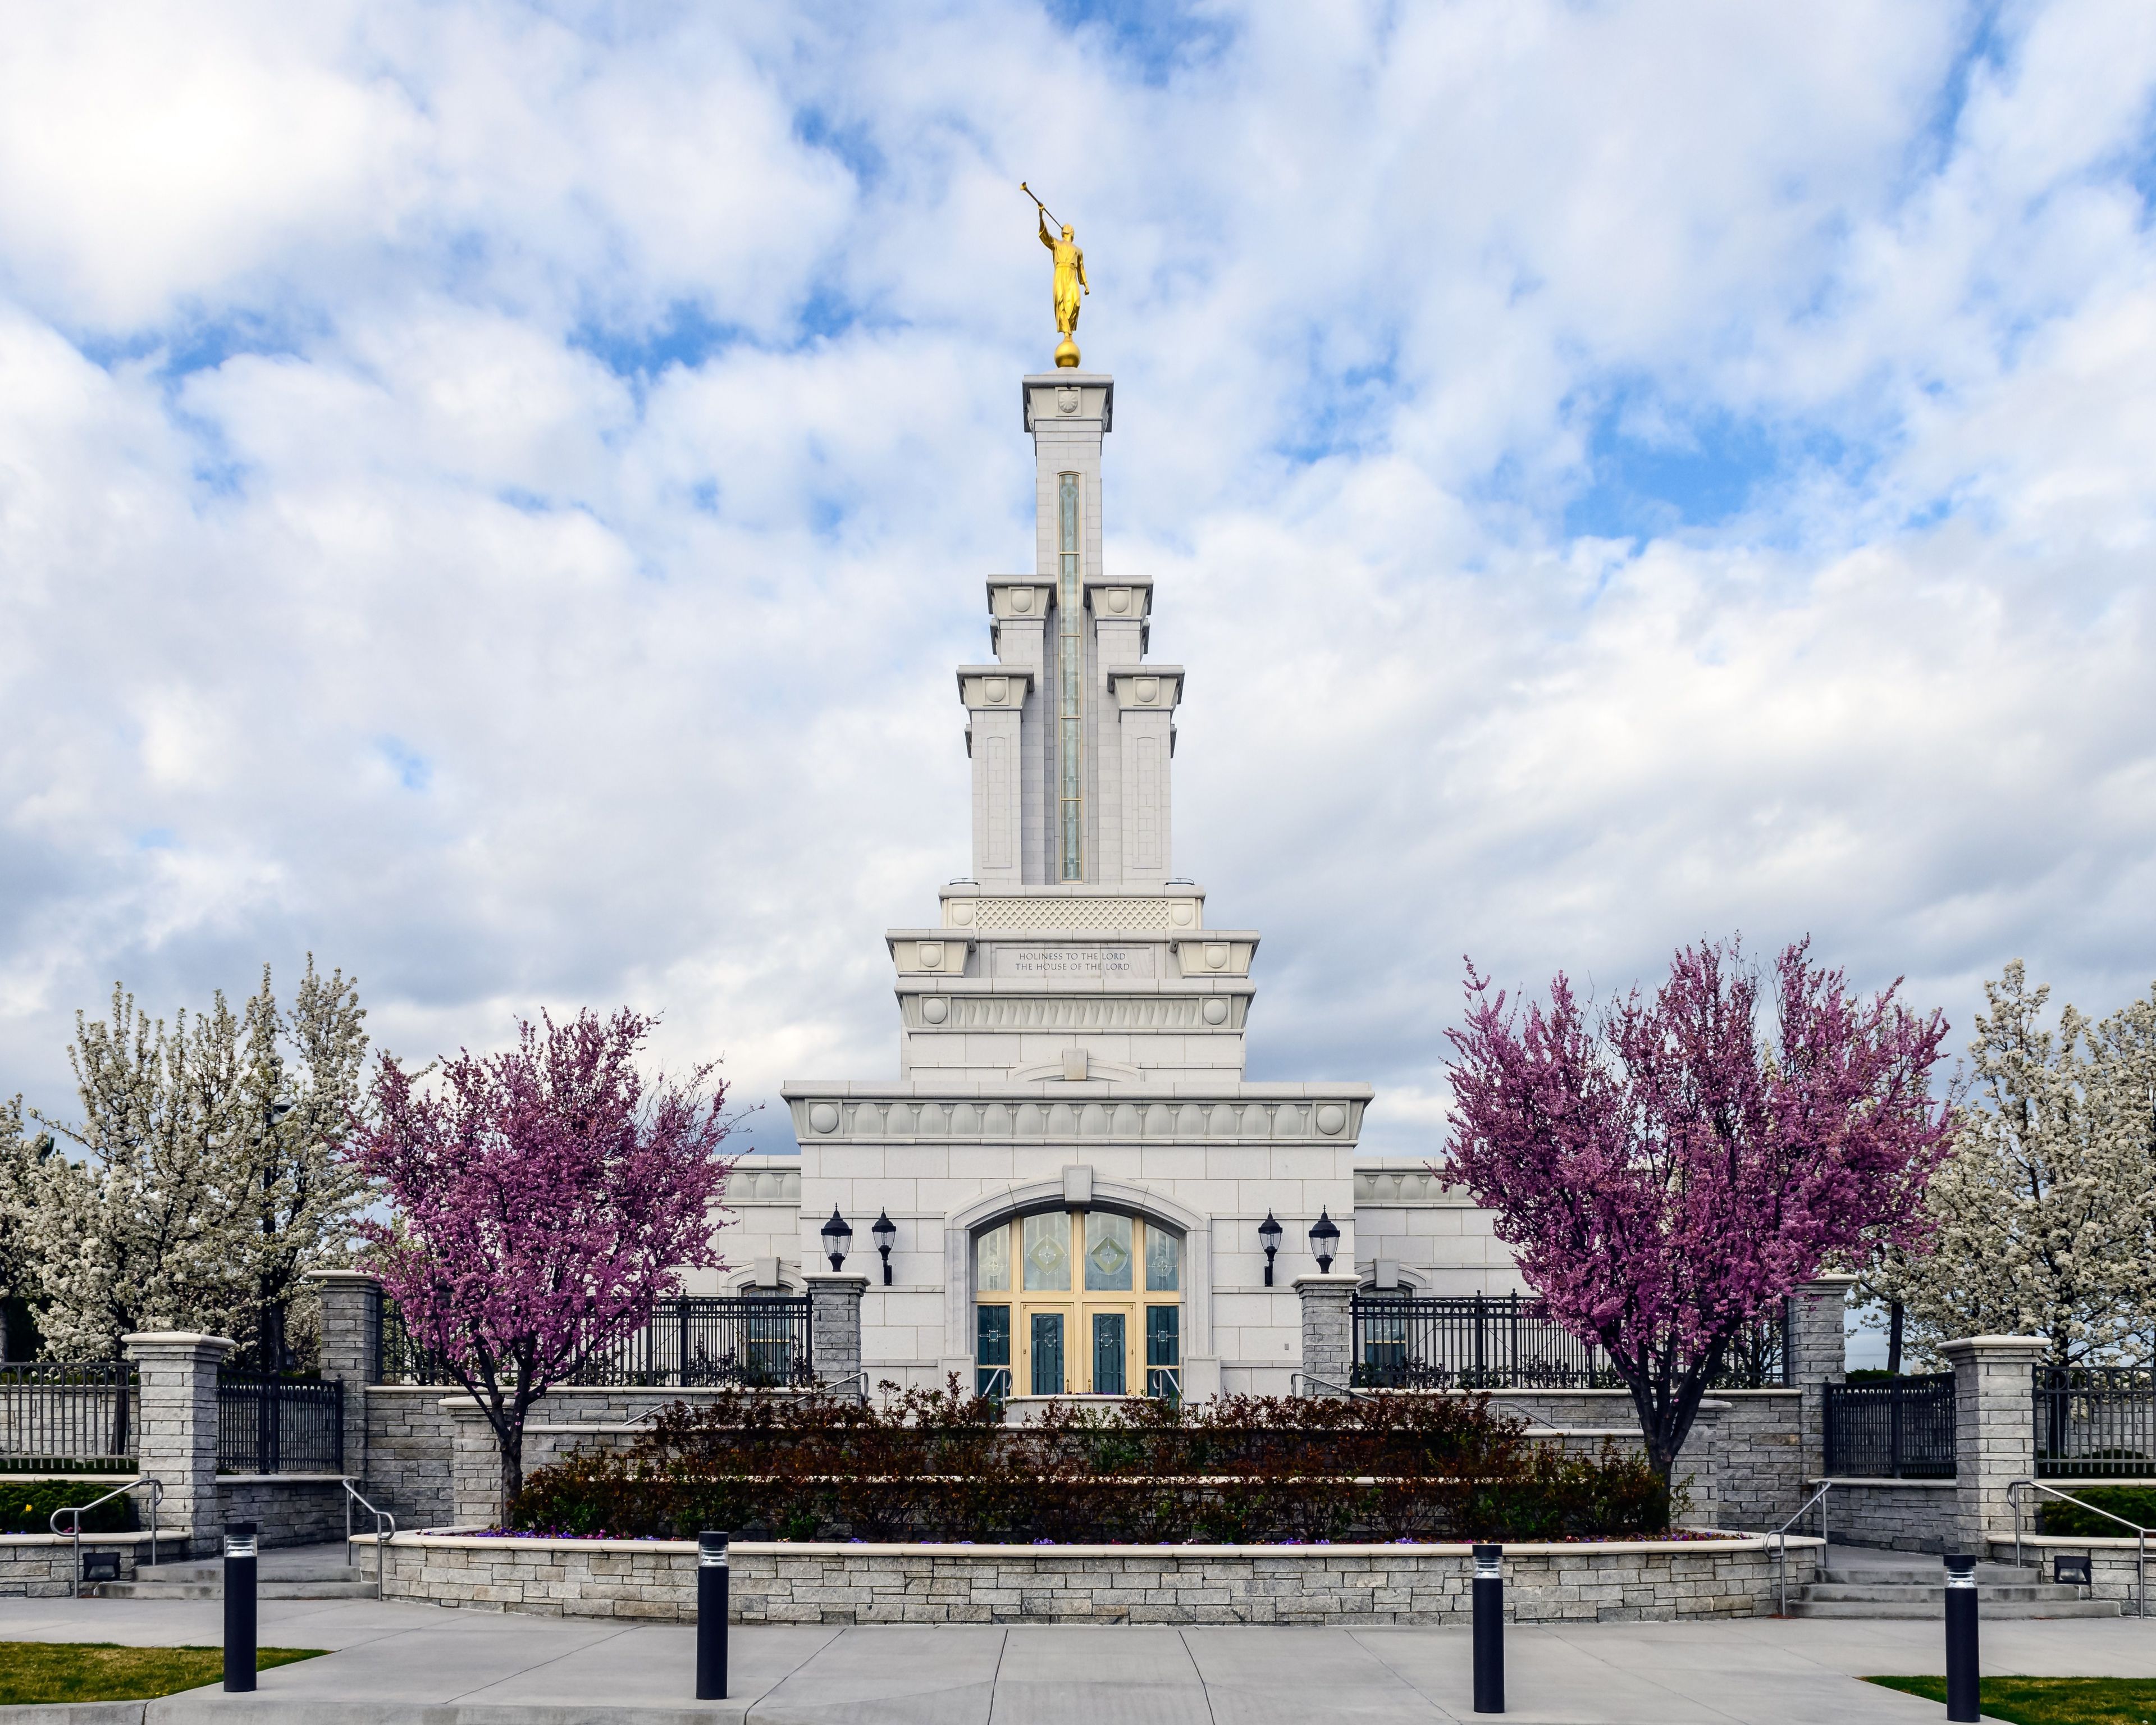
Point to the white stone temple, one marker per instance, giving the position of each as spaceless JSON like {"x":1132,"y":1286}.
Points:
{"x":1075,"y":1171}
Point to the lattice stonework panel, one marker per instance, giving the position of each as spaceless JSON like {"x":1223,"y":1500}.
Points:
{"x":992,"y":1014}
{"x":1134,"y":915}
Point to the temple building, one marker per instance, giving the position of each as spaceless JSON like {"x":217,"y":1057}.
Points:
{"x":1069,"y":1188}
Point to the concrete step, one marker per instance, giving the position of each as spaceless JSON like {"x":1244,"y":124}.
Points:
{"x":1932,"y":1574}
{"x":278,"y":1589}
{"x":306,"y":1572}
{"x":1891,"y":1593}
{"x":1993,"y":1610}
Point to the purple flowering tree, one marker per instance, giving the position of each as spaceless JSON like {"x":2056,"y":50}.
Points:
{"x":542,"y":1201}
{"x":1669,"y":1169}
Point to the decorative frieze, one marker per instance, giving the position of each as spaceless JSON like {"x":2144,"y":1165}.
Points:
{"x":1407,"y":1188}
{"x":1136,"y":1119}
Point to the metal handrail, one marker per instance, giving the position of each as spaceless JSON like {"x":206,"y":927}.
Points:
{"x":380,"y":1545}
{"x":2140,"y":1534}
{"x":1780,"y":1536}
{"x":1347,"y":1390}
{"x":157,"y":1513}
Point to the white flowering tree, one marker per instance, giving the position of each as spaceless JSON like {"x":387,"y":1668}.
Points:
{"x":211,"y":1176}
{"x":19,"y":1285}
{"x":2044,"y":1217}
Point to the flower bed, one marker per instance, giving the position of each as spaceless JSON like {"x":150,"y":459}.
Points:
{"x":942,"y":1468}
{"x":1714,"y":1576}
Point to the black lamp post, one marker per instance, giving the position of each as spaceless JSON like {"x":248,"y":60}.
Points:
{"x":836,"y":1233}
{"x":885,"y":1231}
{"x":1269,"y":1234}
{"x":1324,"y":1239}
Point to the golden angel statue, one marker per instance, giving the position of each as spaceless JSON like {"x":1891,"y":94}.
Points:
{"x":1070,"y":282}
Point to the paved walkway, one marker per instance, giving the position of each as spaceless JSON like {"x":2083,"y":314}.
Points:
{"x":422,"y":1665}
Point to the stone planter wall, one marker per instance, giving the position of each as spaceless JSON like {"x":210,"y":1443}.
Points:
{"x":41,"y":1566}
{"x":2112,"y":1572}
{"x":1100,"y":1584}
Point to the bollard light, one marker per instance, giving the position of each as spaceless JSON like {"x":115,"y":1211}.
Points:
{"x":1962,"y":1674}
{"x":837,"y":1232}
{"x":1269,"y":1237}
{"x":711,"y":1577}
{"x":885,"y":1231}
{"x":1489,"y":1629}
{"x":239,"y":1619}
{"x":1324,"y":1239}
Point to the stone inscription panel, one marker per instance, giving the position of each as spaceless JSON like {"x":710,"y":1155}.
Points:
{"x":1048,"y":964}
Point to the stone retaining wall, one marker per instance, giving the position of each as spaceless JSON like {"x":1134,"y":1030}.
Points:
{"x":1895,"y":1515}
{"x":1616,"y":1582}
{"x":287,"y":1509}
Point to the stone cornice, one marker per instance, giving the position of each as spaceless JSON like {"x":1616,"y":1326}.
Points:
{"x":1146,"y":688}
{"x":994,"y":688}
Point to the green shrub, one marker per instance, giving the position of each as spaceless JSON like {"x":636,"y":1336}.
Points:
{"x":940,"y":1466}
{"x":27,"y":1506}
{"x":2137,"y":1504}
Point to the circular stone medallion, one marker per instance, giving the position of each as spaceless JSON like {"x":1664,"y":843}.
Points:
{"x":823,"y":1118}
{"x":961,"y":910}
{"x":931,"y":954}
{"x":1330,"y":1118}
{"x":1216,"y":1012}
{"x":935,"y":1009}
{"x":1216,"y":957}
{"x":1066,"y":400}
{"x":1022,"y":600}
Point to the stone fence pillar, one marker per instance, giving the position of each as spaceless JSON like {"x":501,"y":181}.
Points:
{"x":1328,"y":1333}
{"x":1994,"y":1428}
{"x":834,"y":1329}
{"x":176,"y":1376}
{"x":474,"y":1465}
{"x":1817,"y":1356}
{"x":1699,"y":1466}
{"x":352,"y":1337}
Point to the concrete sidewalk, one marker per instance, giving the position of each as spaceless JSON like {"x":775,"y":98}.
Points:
{"x":422,"y":1665}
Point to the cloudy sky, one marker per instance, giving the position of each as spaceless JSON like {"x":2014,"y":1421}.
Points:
{"x":492,"y":496}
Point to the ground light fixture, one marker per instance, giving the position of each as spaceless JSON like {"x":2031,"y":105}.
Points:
{"x":837,"y":1232}
{"x":1269,"y":1237}
{"x":885,"y":1231}
{"x":1324,"y":1240}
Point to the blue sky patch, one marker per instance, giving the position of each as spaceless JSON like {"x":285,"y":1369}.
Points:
{"x":686,"y":336}
{"x":1155,"y":39}
{"x":1652,"y":470}
{"x":413,"y":770}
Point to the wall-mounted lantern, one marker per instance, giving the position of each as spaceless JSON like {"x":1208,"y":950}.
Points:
{"x":1324,"y":1240}
{"x":1269,"y":1237}
{"x":885,"y":1231}
{"x":837,"y":1232}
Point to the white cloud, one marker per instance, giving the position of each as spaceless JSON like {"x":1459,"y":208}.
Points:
{"x":493,"y":496}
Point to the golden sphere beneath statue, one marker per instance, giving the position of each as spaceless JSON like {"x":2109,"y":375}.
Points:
{"x":1066,"y":352}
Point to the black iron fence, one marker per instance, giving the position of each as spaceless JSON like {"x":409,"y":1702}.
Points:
{"x":1891,"y":1429}
{"x":65,"y":1417}
{"x":2096,"y":1422}
{"x":269,"y":1424}
{"x":1508,"y":1342}
{"x":692,"y":1341}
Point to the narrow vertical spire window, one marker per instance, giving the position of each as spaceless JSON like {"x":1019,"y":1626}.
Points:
{"x":1070,"y":682}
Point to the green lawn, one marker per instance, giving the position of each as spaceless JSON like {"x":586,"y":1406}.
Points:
{"x":102,"y":1671}
{"x":2050,"y":1700}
